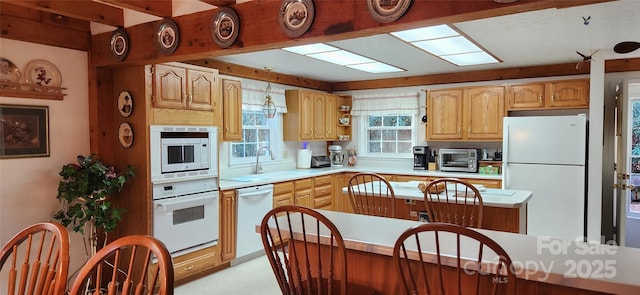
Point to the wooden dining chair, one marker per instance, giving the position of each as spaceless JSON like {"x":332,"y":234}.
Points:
{"x":39,"y":261}
{"x":135,"y":264}
{"x":372,"y":194}
{"x":452,"y":200}
{"x":306,"y":252}
{"x":443,"y":258}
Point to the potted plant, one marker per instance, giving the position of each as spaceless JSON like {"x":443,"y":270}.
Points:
{"x":83,"y":193}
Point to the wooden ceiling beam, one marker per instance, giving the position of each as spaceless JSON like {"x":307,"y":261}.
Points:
{"x":334,"y":20}
{"x":567,"y":69}
{"x":161,"y":8}
{"x":219,"y":3}
{"x":261,"y":74}
{"x":80,"y":9}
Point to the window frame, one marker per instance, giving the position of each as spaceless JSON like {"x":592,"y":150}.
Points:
{"x":275,"y":144}
{"x":363,"y":132}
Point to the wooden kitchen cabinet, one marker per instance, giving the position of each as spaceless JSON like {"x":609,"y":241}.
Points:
{"x":444,"y":114}
{"x":185,"y":87}
{"x":323,"y":192}
{"x":228,"y":223}
{"x":465,"y":113}
{"x":232,"y":110}
{"x":311,"y":115}
{"x":303,"y":195}
{"x":283,"y":193}
{"x":483,"y":113}
{"x":546,"y":95}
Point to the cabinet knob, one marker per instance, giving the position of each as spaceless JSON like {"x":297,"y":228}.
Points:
{"x":184,"y":95}
{"x":540,"y":98}
{"x":191,"y":97}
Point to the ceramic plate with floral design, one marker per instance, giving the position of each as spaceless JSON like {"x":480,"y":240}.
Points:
{"x":8,"y":71}
{"x":296,"y":17}
{"x":42,"y":73}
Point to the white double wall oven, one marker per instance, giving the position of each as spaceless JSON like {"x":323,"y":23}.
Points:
{"x":184,"y":176}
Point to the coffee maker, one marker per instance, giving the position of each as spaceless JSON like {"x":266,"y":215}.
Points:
{"x":336,"y":155}
{"x":420,"y":157}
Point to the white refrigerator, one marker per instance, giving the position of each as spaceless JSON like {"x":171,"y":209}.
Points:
{"x":547,"y":156}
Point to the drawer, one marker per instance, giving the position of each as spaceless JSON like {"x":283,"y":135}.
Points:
{"x":193,"y":263}
{"x":282,"y":187}
{"x":322,"y":180}
{"x":320,"y":191}
{"x":322,"y":202}
{"x":405,"y":178}
{"x":303,"y":183}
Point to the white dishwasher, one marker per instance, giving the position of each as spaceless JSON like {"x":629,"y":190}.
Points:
{"x":253,"y":204}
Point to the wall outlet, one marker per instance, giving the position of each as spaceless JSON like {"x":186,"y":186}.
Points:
{"x":413,"y":213}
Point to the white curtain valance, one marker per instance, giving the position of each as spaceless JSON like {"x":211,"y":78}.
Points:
{"x":253,"y":98}
{"x":381,"y":104}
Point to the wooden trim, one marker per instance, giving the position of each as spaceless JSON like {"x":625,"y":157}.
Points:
{"x":161,"y":8}
{"x":84,"y":10}
{"x":219,"y":3}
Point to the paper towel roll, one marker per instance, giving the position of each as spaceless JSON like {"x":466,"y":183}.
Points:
{"x":304,"y":158}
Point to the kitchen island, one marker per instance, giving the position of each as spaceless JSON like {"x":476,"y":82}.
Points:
{"x":542,"y":265}
{"x":503,"y":210}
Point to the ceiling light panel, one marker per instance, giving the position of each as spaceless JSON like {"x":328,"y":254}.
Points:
{"x":311,"y":48}
{"x":376,"y":68}
{"x":447,"y":46}
{"x":468,"y":59}
{"x":341,"y":57}
{"x":427,"y":33}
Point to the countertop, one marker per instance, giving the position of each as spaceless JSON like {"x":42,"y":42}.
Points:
{"x":491,"y":197}
{"x":597,"y":267}
{"x":234,"y":182}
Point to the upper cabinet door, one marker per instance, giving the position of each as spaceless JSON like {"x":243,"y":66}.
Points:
{"x":202,"y":89}
{"x":526,"y":96}
{"x":170,"y":87}
{"x":484,"y":112}
{"x":444,"y":114}
{"x":330,"y":116}
{"x":569,"y":93}
{"x":232,"y":110}
{"x":318,"y":115}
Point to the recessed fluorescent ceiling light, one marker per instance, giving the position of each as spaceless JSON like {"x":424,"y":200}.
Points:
{"x":446,"y":43}
{"x":341,"y":57}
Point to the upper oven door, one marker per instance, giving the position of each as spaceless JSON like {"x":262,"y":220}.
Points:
{"x":186,"y":221}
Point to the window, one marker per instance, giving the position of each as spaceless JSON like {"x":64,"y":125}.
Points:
{"x":257,"y":131}
{"x":388,"y":135}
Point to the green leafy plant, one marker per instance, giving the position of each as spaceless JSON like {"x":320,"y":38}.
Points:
{"x":83,"y":193}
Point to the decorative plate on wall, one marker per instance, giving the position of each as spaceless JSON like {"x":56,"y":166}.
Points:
{"x":225,"y":27}
{"x":386,"y":11}
{"x":296,"y":17}
{"x":119,"y":44}
{"x":125,"y":135}
{"x":8,"y":71}
{"x":42,"y":73}
{"x":168,"y":36}
{"x":125,"y":104}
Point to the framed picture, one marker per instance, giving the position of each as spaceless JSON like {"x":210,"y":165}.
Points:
{"x":25,"y":131}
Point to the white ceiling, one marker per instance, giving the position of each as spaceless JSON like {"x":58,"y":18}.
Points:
{"x":542,"y":37}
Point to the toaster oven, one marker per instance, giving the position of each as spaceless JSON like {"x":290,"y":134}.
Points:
{"x":459,"y":160}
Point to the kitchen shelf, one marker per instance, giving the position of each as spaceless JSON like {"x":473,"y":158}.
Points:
{"x":345,"y":125}
{"x":23,"y":90}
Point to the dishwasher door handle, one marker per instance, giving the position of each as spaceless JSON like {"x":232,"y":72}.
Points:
{"x":256,"y":194}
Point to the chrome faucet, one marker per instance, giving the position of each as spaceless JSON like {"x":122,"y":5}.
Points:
{"x":258,"y":167}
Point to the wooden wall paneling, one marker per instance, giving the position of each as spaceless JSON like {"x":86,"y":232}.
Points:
{"x":136,"y":196}
{"x":161,"y":8}
{"x":84,"y":10}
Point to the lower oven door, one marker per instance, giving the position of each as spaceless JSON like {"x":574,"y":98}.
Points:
{"x":185,"y":222}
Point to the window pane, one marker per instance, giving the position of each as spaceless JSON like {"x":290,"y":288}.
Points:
{"x":238,"y":150}
{"x":388,"y":147}
{"x":404,"y":147}
{"x":389,"y":135}
{"x":375,"y":121}
{"x":264,"y":134}
{"x":390,"y":121}
{"x":246,"y":118}
{"x":404,"y":135}
{"x":375,"y":134}
{"x":374,"y":147}
{"x":404,"y":121}
{"x":250,"y":135}
{"x":250,"y":149}
{"x":261,"y":119}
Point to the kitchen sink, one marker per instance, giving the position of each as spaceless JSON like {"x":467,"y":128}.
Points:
{"x":270,"y":175}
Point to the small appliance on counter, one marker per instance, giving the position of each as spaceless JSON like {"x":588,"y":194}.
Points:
{"x":459,"y":160}
{"x":320,"y":162}
{"x":420,"y":157}
{"x":336,"y":155}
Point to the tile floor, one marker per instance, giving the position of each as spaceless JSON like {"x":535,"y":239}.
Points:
{"x":248,"y":278}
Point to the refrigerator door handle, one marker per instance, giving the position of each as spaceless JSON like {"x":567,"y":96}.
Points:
{"x":505,"y":154}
